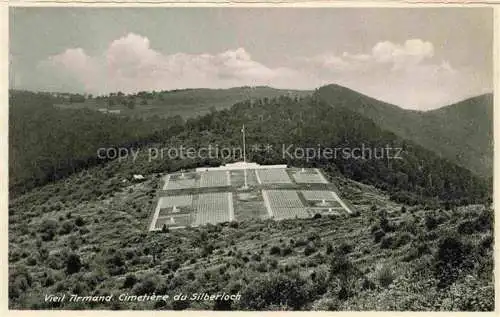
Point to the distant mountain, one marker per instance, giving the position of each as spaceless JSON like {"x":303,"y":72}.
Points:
{"x":186,"y":103}
{"x":462,"y":132}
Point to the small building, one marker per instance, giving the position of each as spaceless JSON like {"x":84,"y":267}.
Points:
{"x":138,"y":177}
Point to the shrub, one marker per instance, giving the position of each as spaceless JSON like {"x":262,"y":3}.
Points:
{"x":67,"y":227}
{"x":275,"y":250}
{"x":286,"y":251}
{"x":485,"y":245}
{"x":449,"y":260}
{"x":430,"y":222}
{"x":314,"y":237}
{"x":416,"y":251}
{"x":146,"y":286}
{"x":355,"y":214}
{"x":483,"y":222}
{"x":255,"y":257}
{"x":384,"y":222}
{"x":375,"y":228}
{"x":31,"y":261}
{"x":340,"y":266}
{"x":273,"y":264}
{"x":73,"y":264}
{"x":466,"y":227}
{"x":48,"y":280}
{"x":261,"y":267}
{"x":207,"y":250}
{"x":48,"y":229}
{"x":387,"y":242}
{"x":164,"y":228}
{"x":309,"y":249}
{"x":344,"y":248}
{"x":79,"y":221}
{"x":115,"y":260}
{"x":130,"y":281}
{"x":320,"y":282}
{"x":402,"y":239}
{"x":329,"y":248}
{"x":409,"y":226}
{"x":275,"y":290}
{"x":378,"y":235}
{"x":345,"y":292}
{"x":367,"y":284}
{"x":385,"y":276}
{"x":20,"y":280}
{"x":450,"y":250}
{"x":300,"y":243}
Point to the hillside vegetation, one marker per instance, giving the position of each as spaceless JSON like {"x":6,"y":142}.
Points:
{"x":47,"y":144}
{"x":461,"y":133}
{"x":65,"y":238}
{"x":311,"y":123}
{"x":421,"y":238}
{"x":186,"y":103}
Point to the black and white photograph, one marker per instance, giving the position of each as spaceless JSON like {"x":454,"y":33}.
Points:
{"x":250,"y":158}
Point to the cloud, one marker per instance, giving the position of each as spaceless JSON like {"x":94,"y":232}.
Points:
{"x":385,"y":55}
{"x":406,"y":74}
{"x":129,"y":64}
{"x":78,"y":64}
{"x":412,"y":52}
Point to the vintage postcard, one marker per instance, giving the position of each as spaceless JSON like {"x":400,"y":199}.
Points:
{"x":250,"y":158}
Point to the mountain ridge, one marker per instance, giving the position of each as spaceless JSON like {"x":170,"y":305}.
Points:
{"x":460,"y":132}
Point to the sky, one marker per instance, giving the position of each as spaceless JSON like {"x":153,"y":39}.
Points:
{"x":420,"y":59}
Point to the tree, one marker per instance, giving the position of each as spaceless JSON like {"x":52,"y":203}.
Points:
{"x":164,"y":228}
{"x":73,"y":264}
{"x":131,"y":104}
{"x":450,"y":259}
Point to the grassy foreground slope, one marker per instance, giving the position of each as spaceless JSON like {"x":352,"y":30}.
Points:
{"x":64,"y":238}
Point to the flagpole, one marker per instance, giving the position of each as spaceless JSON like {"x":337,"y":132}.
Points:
{"x":244,"y":145}
{"x":244,"y":157}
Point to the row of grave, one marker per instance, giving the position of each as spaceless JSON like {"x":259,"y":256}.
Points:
{"x":207,"y":179}
{"x":215,"y":207}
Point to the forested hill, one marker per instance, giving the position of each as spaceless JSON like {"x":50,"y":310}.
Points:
{"x":462,"y":132}
{"x":48,"y":143}
{"x":311,"y":123}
